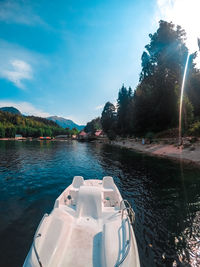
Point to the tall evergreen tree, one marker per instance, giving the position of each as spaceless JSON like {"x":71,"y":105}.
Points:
{"x":123,"y":111}
{"x":163,"y":64}
{"x":108,"y":117}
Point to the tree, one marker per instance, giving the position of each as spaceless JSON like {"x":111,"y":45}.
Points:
{"x":68,"y":131}
{"x":74,"y":131}
{"x":193,"y":90}
{"x":93,"y":126}
{"x":123,"y":111}
{"x":108,"y":117}
{"x":163,"y":63}
{"x":10,"y":131}
{"x":187,"y":114}
{"x":2,"y":131}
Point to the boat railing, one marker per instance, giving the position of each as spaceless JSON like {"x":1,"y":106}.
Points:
{"x":34,"y":239}
{"x":126,"y":209}
{"x":127,"y":244}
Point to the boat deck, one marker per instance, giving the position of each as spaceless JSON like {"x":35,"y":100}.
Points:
{"x":86,"y":228}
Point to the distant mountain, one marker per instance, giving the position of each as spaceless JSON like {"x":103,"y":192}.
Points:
{"x":65,"y":123}
{"x":53,"y":120}
{"x":11,"y":110}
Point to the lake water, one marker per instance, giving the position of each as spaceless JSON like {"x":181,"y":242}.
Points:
{"x":165,"y":196}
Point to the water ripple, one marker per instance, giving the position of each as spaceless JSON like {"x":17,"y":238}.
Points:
{"x":164,"y":195}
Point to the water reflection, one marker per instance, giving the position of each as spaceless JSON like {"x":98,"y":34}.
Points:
{"x":166,"y":199}
{"x":165,"y":196}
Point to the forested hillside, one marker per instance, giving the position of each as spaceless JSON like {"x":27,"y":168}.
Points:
{"x":11,"y":124}
{"x":65,"y":123}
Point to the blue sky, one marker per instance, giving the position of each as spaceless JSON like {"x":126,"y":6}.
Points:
{"x":68,"y":58}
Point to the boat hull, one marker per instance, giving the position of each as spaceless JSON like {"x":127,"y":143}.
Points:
{"x":88,"y":226}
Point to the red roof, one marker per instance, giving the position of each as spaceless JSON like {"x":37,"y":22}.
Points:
{"x":45,"y":137}
{"x":82,"y":133}
{"x":98,"y":132}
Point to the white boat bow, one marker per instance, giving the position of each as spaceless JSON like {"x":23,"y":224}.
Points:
{"x":90,"y":225}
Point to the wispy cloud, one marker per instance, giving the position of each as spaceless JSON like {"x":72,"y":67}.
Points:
{"x":19,"y":65}
{"x":25,"y":108}
{"x":18,"y":71}
{"x":20,"y":12}
{"x":184,"y":13}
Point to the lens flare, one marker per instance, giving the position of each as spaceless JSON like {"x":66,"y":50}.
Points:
{"x":181,"y":100}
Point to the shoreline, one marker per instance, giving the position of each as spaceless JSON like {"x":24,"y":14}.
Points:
{"x":34,"y":139}
{"x":186,"y":153}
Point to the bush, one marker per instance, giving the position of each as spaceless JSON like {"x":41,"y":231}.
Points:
{"x":170,"y":133}
{"x":195,"y":129}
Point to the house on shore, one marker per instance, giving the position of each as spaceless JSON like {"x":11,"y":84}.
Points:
{"x":74,"y":136}
{"x":19,"y":137}
{"x":82,"y":135}
{"x":44,"y":138}
{"x":99,"y":134}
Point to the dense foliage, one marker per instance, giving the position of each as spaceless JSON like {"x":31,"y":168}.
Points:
{"x":30,"y":126}
{"x":154,"y":105}
{"x":93,"y":126}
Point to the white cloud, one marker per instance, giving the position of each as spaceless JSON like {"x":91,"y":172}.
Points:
{"x":99,"y":107}
{"x":184,"y":13}
{"x":20,"y":12}
{"x":18,"y":64}
{"x":25,"y":108}
{"x":18,"y":71}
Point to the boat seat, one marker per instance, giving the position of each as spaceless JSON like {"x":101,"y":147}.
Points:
{"x":108,"y":183}
{"x":89,"y":202}
{"x":109,"y":192}
{"x":77,"y":182}
{"x":73,"y":192}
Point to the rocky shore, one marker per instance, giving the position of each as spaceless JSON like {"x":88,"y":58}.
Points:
{"x":188,"y":152}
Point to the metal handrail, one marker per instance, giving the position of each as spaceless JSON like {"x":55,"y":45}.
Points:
{"x":125,"y":201}
{"x":130,"y":218}
{"x":127,"y":245}
{"x":129,"y":210}
{"x":36,"y":236}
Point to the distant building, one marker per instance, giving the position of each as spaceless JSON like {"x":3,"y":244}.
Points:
{"x":18,"y":136}
{"x":82,"y":135}
{"x":99,"y":133}
{"x":45,"y":138}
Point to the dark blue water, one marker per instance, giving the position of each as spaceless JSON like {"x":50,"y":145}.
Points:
{"x":165,"y":196}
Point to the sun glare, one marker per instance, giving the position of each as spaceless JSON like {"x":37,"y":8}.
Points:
{"x":186,"y":14}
